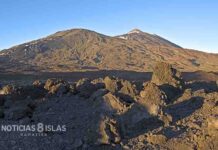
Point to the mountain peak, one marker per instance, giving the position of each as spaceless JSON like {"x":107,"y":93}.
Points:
{"x":85,"y":50}
{"x":135,"y":31}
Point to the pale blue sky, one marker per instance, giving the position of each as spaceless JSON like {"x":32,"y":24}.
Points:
{"x":188,"y":23}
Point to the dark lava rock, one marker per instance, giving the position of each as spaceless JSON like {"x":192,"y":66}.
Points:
{"x":52,"y":82}
{"x":8,"y":89}
{"x":1,"y":113}
{"x":99,"y":93}
{"x":153,"y":98}
{"x":19,"y":112}
{"x":153,"y":94}
{"x":58,"y":87}
{"x":31,"y":92}
{"x":164,"y":73}
{"x":128,"y":88}
{"x":121,"y":88}
{"x":37,"y":83}
{"x":112,"y":84}
{"x":2,"y":100}
{"x":169,"y":80}
{"x":85,"y":88}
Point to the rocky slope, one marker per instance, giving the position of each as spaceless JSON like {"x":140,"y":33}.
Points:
{"x":80,"y":49}
{"x":112,"y":113}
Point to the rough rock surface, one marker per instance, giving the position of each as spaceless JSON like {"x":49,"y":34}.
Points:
{"x":93,"y":114}
{"x":169,"y":79}
{"x":56,"y":86}
{"x":112,"y":84}
{"x":152,"y":98}
{"x":122,"y":88}
{"x":85,"y":88}
{"x":164,"y":73}
{"x":8,"y":89}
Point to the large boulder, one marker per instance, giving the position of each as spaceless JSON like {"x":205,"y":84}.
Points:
{"x":153,"y":98}
{"x":8,"y":89}
{"x":56,"y":86}
{"x":108,"y":132}
{"x":99,"y":83}
{"x":85,"y":88}
{"x":98,"y":94}
{"x":59,"y":89}
{"x":52,"y":82}
{"x":168,"y":79}
{"x":121,"y":88}
{"x":127,"y":91}
{"x":112,"y":84}
{"x":37,"y":83}
{"x":137,"y":120}
{"x":164,"y":73}
{"x":105,"y":131}
{"x":110,"y":104}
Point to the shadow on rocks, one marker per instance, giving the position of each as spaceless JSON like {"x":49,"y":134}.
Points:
{"x":185,"y":108}
{"x":136,"y":121}
{"x":172,"y":92}
{"x":172,"y":132}
{"x":207,"y":86}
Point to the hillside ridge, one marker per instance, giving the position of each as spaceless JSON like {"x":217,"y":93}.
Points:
{"x":81,"y":50}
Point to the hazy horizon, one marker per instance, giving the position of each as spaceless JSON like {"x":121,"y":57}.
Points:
{"x":189,"y":23}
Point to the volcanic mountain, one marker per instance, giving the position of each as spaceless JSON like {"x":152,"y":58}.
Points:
{"x":82,"y":50}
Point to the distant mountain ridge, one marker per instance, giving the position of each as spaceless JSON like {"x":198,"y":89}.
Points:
{"x":81,"y":50}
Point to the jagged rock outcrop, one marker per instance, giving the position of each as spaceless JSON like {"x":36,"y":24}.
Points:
{"x":153,"y":98}
{"x":128,"y":91}
{"x":37,"y":83}
{"x":164,"y":73}
{"x":110,"y":104}
{"x":58,"y":87}
{"x":108,"y":131}
{"x":99,"y":115}
{"x":85,"y":87}
{"x":169,"y":79}
{"x":112,"y":84}
{"x":98,"y":94}
{"x":8,"y":89}
{"x":121,"y":88}
{"x":133,"y":121}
